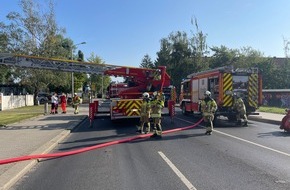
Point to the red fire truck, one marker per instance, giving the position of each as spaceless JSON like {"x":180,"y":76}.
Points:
{"x":222,"y":83}
{"x":126,"y":97}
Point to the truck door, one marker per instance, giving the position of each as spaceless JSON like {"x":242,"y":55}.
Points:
{"x":213,"y":87}
{"x":194,"y":91}
{"x":203,"y":86}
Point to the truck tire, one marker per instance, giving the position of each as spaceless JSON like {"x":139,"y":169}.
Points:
{"x":183,"y":110}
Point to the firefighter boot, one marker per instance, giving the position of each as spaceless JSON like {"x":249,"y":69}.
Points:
{"x":148,"y":128}
{"x":159,"y":131}
{"x":138,"y":129}
{"x":208,"y":132}
{"x":246,"y":123}
{"x":154,"y":132}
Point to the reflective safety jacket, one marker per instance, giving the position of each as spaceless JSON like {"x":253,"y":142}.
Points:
{"x":156,"y":107}
{"x":239,"y":105}
{"x":208,"y":106}
{"x":145,"y":108}
{"x":76,"y":100}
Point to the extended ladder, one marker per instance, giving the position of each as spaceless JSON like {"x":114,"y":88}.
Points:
{"x":53,"y":64}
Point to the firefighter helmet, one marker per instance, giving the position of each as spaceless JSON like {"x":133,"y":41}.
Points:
{"x":207,"y":93}
{"x":145,"y":95}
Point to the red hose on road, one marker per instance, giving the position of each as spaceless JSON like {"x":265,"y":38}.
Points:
{"x":68,"y":153}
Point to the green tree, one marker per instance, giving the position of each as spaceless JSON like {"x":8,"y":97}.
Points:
{"x":280,"y":74}
{"x":199,"y":48}
{"x":147,"y":62}
{"x":80,"y":56}
{"x":222,"y":56}
{"x":5,"y":72}
{"x":248,"y":57}
{"x":181,"y":63}
{"x":183,"y":55}
{"x":268,"y":71}
{"x":99,"y":83}
{"x":164,"y":54}
{"x":3,"y":40}
{"x":33,"y":32}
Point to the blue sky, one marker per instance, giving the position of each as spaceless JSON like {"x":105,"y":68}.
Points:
{"x":121,"y":32}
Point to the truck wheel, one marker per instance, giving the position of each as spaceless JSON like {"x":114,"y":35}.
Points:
{"x":184,"y":112}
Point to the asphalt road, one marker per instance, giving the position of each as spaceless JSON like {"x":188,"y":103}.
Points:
{"x":254,"y":157}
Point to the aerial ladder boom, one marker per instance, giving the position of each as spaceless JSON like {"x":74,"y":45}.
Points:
{"x":53,"y":64}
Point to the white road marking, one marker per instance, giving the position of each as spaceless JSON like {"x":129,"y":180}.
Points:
{"x":177,"y":172}
{"x":244,"y":140}
{"x":256,"y":144}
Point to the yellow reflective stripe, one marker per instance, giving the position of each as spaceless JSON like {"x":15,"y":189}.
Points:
{"x":228,"y":81}
{"x":131,"y":107}
{"x":227,"y":86}
{"x":173,"y":94}
{"x":155,"y":115}
{"x":121,"y":104}
{"x":253,"y":90}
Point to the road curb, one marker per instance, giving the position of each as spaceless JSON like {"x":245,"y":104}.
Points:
{"x":260,"y":119}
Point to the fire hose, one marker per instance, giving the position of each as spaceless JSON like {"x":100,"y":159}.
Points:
{"x":78,"y":151}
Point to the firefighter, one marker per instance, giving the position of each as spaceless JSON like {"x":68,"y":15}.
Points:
{"x":156,"y":106}
{"x":145,"y":114}
{"x":63,"y":102}
{"x":208,"y":109}
{"x":76,"y":103}
{"x":240,"y":108}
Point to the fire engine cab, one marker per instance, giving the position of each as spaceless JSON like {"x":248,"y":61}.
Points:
{"x":222,"y":82}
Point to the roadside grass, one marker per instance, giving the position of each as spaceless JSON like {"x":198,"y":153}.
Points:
{"x":19,"y":114}
{"x":272,"y":109}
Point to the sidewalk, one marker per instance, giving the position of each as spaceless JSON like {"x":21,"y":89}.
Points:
{"x":267,"y":118}
{"x":38,"y":135}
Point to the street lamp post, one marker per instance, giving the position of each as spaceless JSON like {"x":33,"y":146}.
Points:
{"x":72,"y":73}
